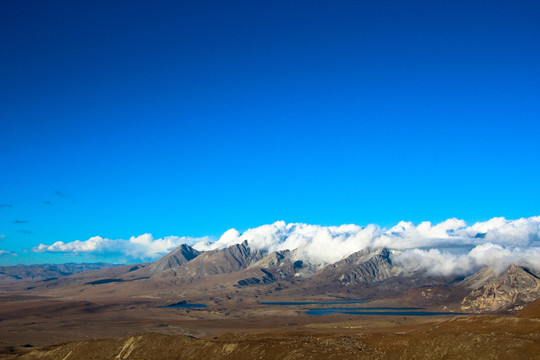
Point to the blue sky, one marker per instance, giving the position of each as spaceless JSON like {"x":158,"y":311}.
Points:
{"x":190,"y":118}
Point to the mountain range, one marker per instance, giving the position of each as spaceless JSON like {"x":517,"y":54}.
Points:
{"x":239,"y":271}
{"x":46,"y":272}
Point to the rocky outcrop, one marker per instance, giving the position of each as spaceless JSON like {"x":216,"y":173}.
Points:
{"x":274,"y":260}
{"x":508,"y":291}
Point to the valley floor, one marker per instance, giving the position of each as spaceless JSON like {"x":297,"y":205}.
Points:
{"x":31,"y":327}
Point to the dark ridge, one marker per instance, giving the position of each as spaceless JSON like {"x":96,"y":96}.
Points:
{"x":104,"y":281}
{"x":249,"y":281}
{"x":528,"y":271}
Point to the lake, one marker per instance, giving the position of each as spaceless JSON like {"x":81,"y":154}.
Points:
{"x":184,"y":305}
{"x":370,"y":311}
{"x":396,"y":311}
{"x":404,"y":311}
{"x":298,"y":303}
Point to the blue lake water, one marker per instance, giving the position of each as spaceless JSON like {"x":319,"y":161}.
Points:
{"x":371,"y":311}
{"x":376,"y":311}
{"x":397,"y":311}
{"x":184,"y":306}
{"x":333,"y":302}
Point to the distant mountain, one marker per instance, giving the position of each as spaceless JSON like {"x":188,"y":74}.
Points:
{"x":223,"y":261}
{"x":241,"y":272}
{"x":174,"y":259}
{"x":353,"y":273}
{"x":42,"y":272}
{"x":369,"y":273}
{"x":363,"y":267}
{"x":276,"y":266}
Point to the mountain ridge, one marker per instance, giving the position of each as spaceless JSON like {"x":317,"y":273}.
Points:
{"x":240,"y":271}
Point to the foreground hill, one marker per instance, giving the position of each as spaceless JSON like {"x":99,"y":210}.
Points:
{"x":531,"y":311}
{"x":465,"y":337}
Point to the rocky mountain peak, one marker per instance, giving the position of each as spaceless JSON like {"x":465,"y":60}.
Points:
{"x":362,"y":267}
{"x":178,"y":257}
{"x":508,"y":291}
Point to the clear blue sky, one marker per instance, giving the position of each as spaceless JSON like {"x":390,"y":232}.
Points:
{"x":119,"y":118}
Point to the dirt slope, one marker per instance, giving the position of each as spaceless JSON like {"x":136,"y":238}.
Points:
{"x":486,"y":337}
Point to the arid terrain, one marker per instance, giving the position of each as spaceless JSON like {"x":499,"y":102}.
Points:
{"x":88,"y":332}
{"x":119,"y":312}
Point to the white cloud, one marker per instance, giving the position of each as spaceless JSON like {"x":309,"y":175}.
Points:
{"x":434,"y":261}
{"x":449,"y":247}
{"x":142,"y":247}
{"x":7,"y":253}
{"x":496,"y":256}
{"x":521,"y":232}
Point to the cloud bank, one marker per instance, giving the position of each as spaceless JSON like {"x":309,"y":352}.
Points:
{"x":142,"y":247}
{"x":449,"y":247}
